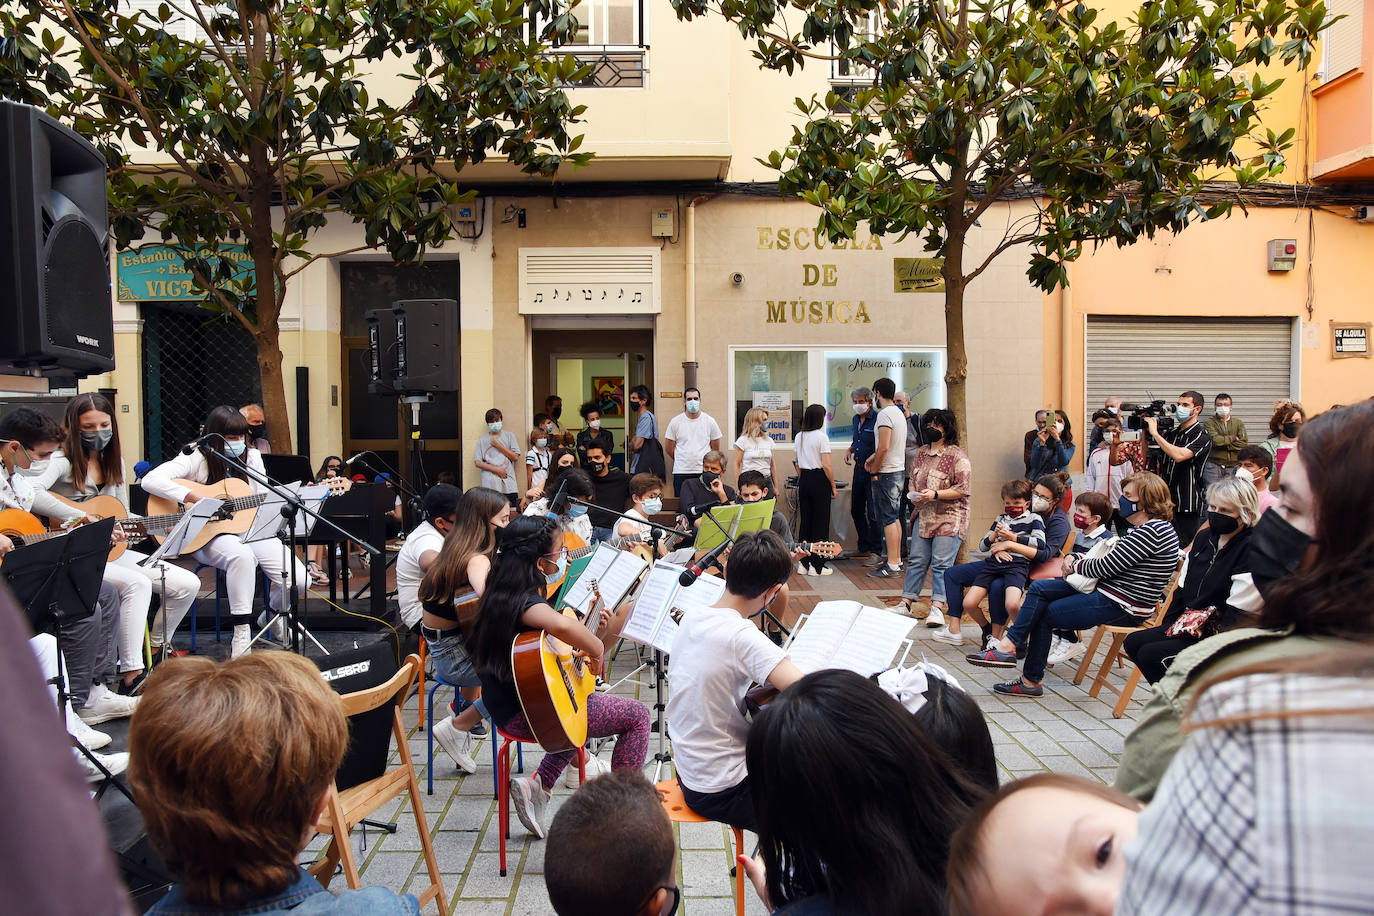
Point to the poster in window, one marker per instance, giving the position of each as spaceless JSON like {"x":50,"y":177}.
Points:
{"x":609,"y":392}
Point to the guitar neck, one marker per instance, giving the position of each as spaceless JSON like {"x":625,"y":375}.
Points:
{"x":161,"y":524}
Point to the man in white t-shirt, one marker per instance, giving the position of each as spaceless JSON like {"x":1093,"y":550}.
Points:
{"x":717,"y":653}
{"x":495,"y":455}
{"x":422,"y":548}
{"x":887,"y":464}
{"x":689,"y":436}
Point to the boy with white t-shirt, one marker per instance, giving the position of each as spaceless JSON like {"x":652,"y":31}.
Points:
{"x":717,"y":653}
{"x":887,"y":464}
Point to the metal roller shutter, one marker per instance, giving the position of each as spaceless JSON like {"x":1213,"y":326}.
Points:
{"x":1250,"y":359}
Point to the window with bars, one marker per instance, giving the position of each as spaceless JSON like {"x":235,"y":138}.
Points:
{"x":610,"y":38}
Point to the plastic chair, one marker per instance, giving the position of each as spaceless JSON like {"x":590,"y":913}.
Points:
{"x":503,"y":783}
{"x":670,"y":793}
{"x":438,"y":682}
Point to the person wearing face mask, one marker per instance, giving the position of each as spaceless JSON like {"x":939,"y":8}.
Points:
{"x":1053,"y":447}
{"x":1254,"y":467}
{"x":1041,"y":418}
{"x":1228,"y":438}
{"x":1219,"y":553}
{"x":1185,"y":450}
{"x":1308,"y":557}
{"x":612,"y":491}
{"x":1284,"y":427}
{"x":1108,"y":465}
{"x":1110,"y":408}
{"x":553,"y":406}
{"x":91,"y":464}
{"x":646,"y":498}
{"x":538,"y":457}
{"x":241,"y":562}
{"x":644,"y":448}
{"x":941,"y":482}
{"x":868,"y":538}
{"x":574,"y":518}
{"x":529,"y":555}
{"x":496,"y":453}
{"x":257,"y":428}
{"x":592,"y":434}
{"x":1049,"y":843}
{"x":689,"y":436}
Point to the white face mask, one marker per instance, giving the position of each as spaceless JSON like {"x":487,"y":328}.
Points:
{"x":594,"y":424}
{"x":1039,"y":504}
{"x":1059,"y":427}
{"x":1112,"y":410}
{"x":1245,"y":475}
{"x":1224,"y":412}
{"x":36,"y":467}
{"x":861,"y":408}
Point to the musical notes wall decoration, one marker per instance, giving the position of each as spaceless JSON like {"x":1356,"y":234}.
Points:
{"x":589,"y":281}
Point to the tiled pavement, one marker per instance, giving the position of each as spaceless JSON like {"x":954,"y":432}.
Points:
{"x":1067,"y":731}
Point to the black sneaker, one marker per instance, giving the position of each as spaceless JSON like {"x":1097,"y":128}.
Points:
{"x":477,"y":731}
{"x":1019,"y":688}
{"x":884,"y":572}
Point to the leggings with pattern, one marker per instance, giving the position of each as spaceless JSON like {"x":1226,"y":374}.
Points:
{"x":607,"y":715}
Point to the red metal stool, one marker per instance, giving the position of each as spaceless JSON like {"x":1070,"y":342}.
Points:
{"x":679,"y":813}
{"x":503,"y":785}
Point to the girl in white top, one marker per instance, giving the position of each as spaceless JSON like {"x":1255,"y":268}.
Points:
{"x":537,"y":460}
{"x":816,"y":487}
{"x":228,"y":552}
{"x":90,"y":464}
{"x":754,"y":448}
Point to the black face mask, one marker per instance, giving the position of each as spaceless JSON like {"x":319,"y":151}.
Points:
{"x":1290,"y":429}
{"x":258,"y":431}
{"x":596,"y":466}
{"x":556,"y":412}
{"x":930,"y":433}
{"x":1276,"y":549}
{"x":707,"y":477}
{"x":1222,"y":523}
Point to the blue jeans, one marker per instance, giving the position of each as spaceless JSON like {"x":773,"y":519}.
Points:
{"x":935,"y":554}
{"x":959,"y":578}
{"x":868,"y":537}
{"x":886,"y":495}
{"x":1040,"y":594}
{"x":451,"y":662}
{"x":1076,"y":612}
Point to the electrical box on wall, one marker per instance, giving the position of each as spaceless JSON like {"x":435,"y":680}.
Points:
{"x":1283,"y":254}
{"x":662,"y":224}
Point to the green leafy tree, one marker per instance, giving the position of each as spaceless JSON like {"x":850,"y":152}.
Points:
{"x":252,"y":122}
{"x":1111,"y":130}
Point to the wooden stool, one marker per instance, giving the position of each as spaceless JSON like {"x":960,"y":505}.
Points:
{"x":679,"y":813}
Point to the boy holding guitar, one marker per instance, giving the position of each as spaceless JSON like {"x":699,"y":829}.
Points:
{"x":529,"y":555}
{"x":717,"y":653}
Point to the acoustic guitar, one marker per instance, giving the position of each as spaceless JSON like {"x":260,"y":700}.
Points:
{"x":234,"y":517}
{"x":102,"y":507}
{"x":553,"y":683}
{"x":26,"y":528}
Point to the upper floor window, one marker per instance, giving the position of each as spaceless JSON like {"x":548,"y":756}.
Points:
{"x":610,"y":37}
{"x":849,"y":72}
{"x":1343,"y":40}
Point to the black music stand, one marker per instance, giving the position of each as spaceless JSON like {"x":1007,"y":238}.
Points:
{"x":288,"y":468}
{"x":57,"y":580}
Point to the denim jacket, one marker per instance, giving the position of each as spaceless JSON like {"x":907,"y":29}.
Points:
{"x":303,"y":898}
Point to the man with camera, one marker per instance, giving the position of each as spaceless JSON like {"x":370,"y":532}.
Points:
{"x":1185,"y":449}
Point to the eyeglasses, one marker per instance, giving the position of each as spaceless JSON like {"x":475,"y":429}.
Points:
{"x":555,"y":555}
{"x":677,"y":898}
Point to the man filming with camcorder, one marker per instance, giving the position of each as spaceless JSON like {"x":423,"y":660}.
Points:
{"x":1184,"y":450}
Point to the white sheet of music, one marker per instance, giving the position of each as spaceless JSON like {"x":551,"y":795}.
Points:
{"x":615,"y":581}
{"x":652,"y":605}
{"x":848,"y":635}
{"x":580,"y":594}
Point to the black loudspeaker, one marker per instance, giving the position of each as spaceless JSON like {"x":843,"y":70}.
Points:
{"x":54,"y":232}
{"x":426,"y":345}
{"x":381,"y":346}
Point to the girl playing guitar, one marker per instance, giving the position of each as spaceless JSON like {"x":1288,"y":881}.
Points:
{"x":529,"y":554}
{"x":228,"y":552}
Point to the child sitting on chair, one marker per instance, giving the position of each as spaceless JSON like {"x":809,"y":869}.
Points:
{"x":1016,"y":525}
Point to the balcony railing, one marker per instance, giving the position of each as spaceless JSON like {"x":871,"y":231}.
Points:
{"x":610,"y":38}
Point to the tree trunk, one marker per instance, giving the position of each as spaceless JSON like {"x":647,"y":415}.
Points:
{"x":273,"y":388}
{"x":956,"y":355}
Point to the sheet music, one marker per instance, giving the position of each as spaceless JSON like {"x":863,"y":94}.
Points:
{"x":185,"y":530}
{"x":848,"y":635}
{"x":826,"y":627}
{"x":579,"y":594}
{"x":652,"y":604}
{"x":615,"y":579}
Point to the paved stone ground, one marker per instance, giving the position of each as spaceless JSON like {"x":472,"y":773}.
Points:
{"x":1067,"y":731}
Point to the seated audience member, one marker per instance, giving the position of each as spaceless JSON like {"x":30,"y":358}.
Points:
{"x":1049,"y":843}
{"x":1256,"y":465}
{"x":573,"y":518}
{"x":612,"y":486}
{"x":700,"y":492}
{"x":257,"y":427}
{"x":529,"y":556}
{"x":954,"y":721}
{"x":646,"y":498}
{"x":718,"y":653}
{"x":1092,"y":516}
{"x":834,"y":843}
{"x":232,"y":782}
{"x":1109,"y":464}
{"x":1309,"y":558}
{"x":1265,"y":807}
{"x":1017,"y":525}
{"x":611,"y":851}
{"x":1130,"y":580}
{"x":1219,"y":552}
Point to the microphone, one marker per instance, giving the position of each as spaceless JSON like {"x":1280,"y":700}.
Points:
{"x":695,"y":512}
{"x":559,"y":503}
{"x":356,"y":457}
{"x":691,"y":573}
{"x":190,"y":447}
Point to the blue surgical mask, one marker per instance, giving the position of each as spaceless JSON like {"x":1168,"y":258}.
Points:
{"x":577,"y":511}
{"x":494,"y":427}
{"x":1182,"y":413}
{"x":693,"y":405}
{"x":653,"y":505}
{"x":541,"y":443}
{"x":235,"y":449}
{"x":561,"y":568}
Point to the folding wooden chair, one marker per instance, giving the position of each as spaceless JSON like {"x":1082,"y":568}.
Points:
{"x":346,"y":809}
{"x":1115,"y":655}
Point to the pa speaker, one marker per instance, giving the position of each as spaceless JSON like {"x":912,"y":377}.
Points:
{"x":54,"y":233}
{"x":426,"y":345}
{"x":381,"y":346}
{"x":369,"y":733}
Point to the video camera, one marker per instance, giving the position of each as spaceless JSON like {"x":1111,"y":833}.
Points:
{"x":1134,"y":416}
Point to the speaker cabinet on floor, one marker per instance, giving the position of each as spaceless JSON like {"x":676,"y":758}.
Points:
{"x":54,"y":233}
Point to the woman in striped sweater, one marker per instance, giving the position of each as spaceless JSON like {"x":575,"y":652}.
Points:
{"x":1130,"y":580}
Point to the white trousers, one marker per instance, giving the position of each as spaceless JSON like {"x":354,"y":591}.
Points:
{"x":134,"y":593}
{"x":44,"y":647}
{"x":182,"y":587}
{"x":241,"y":562}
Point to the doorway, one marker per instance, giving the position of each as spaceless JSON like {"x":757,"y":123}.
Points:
{"x":598,"y":366}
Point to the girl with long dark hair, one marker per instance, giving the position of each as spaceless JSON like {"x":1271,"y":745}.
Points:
{"x":91,"y":464}
{"x":240,"y":561}
{"x":816,"y":488}
{"x":529,"y":555}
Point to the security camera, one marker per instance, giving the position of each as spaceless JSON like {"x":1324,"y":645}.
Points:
{"x":737,"y":278}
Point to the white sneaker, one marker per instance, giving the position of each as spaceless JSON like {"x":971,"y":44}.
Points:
{"x":102,"y":706}
{"x":530,"y":800}
{"x":115,"y":763}
{"x":992,"y":642}
{"x":826,"y":571}
{"x":944,"y":635}
{"x":92,"y":739}
{"x":595,"y":767}
{"x":1055,"y":642}
{"x":1066,"y":652}
{"x":243,"y":637}
{"x":935,"y":618}
{"x":457,"y":744}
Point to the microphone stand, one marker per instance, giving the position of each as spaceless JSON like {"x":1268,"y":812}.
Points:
{"x":293,"y":504}
{"x":406,"y":489}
